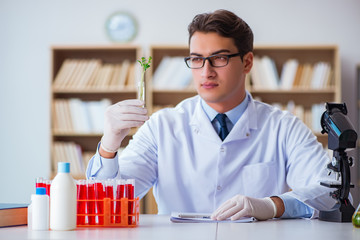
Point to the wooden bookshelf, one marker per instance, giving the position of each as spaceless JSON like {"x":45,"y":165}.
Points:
{"x":107,"y":55}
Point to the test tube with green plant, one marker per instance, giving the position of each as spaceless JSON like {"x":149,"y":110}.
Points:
{"x":145,"y":64}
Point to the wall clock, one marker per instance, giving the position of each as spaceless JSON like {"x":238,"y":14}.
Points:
{"x":121,"y":27}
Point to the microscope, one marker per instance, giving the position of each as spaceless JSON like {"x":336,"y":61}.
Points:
{"x":341,"y":135}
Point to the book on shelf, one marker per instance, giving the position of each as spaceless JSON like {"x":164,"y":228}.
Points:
{"x":159,"y":72}
{"x":298,"y":74}
{"x":316,"y":112}
{"x":248,"y":81}
{"x":69,"y":152}
{"x":321,"y":75}
{"x":115,"y":75}
{"x":305,"y":78}
{"x":172,"y":73}
{"x":264,"y":73}
{"x":272,"y":76}
{"x":103,"y":79}
{"x":256,"y":74}
{"x":76,"y":116}
{"x":310,"y":116}
{"x":130,"y":82}
{"x":55,"y":123}
{"x":13,"y":214}
{"x":92,"y":67}
{"x":95,"y":114}
{"x":79,"y":116}
{"x":293,"y":75}
{"x":288,"y":74}
{"x":64,"y":74}
{"x":124,"y":74}
{"x":77,"y":74}
{"x":93,"y":74}
{"x":61,"y":122}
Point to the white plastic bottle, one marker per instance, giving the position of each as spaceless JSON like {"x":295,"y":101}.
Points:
{"x":29,"y":215}
{"x":40,"y":210}
{"x":63,"y":199}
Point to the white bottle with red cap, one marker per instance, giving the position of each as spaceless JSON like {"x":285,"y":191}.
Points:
{"x":63,"y":199}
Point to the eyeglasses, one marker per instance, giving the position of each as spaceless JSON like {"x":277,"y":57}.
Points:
{"x":216,"y":60}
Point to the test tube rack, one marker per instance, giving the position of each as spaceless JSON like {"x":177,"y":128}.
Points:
{"x":108,"y":218}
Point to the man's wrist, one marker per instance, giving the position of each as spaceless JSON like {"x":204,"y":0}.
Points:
{"x":105,"y":154}
{"x":280,"y":207}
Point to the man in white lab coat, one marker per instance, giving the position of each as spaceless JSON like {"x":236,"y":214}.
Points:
{"x":220,"y":151}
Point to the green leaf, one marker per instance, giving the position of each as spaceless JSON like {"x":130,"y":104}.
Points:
{"x":145,"y":63}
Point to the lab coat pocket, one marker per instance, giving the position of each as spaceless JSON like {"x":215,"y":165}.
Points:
{"x":260,"y":179}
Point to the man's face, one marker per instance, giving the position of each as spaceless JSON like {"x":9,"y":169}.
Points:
{"x":222,"y":88}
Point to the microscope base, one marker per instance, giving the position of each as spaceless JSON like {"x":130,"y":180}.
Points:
{"x":342,"y":214}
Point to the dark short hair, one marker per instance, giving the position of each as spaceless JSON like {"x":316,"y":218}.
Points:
{"x":226,"y":24}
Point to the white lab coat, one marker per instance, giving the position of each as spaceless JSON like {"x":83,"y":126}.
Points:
{"x":268,"y":152}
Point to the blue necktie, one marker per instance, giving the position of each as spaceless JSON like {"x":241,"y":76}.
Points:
{"x":223,"y":129}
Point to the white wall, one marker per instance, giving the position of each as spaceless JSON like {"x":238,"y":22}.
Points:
{"x":29,"y":28}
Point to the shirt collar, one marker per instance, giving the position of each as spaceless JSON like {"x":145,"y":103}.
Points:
{"x":233,"y":115}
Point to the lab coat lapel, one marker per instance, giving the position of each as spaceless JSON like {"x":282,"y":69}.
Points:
{"x":201,"y":124}
{"x":248,"y":121}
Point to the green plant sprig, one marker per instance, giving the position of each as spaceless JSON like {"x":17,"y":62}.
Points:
{"x":145,"y":64}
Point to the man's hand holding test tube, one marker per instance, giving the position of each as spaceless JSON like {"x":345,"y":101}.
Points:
{"x":122,"y":116}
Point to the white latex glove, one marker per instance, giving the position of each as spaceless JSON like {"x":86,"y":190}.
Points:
{"x":242,"y":206}
{"x":119,"y":118}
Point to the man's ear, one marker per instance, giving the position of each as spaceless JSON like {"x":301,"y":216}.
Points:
{"x":248,"y":61}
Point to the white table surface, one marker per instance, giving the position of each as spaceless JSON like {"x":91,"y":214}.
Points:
{"x":160,"y":227}
{"x":293,"y":229}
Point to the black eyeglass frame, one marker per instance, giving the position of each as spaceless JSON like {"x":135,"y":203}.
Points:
{"x":209,"y":58}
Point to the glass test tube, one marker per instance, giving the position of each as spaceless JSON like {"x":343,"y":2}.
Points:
{"x":130,"y":187}
{"x":48,"y":185}
{"x":109,"y":193}
{"x":99,"y":196}
{"x":90,"y":206}
{"x":81,"y":205}
{"x":120,"y":193}
{"x":39,"y":182}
